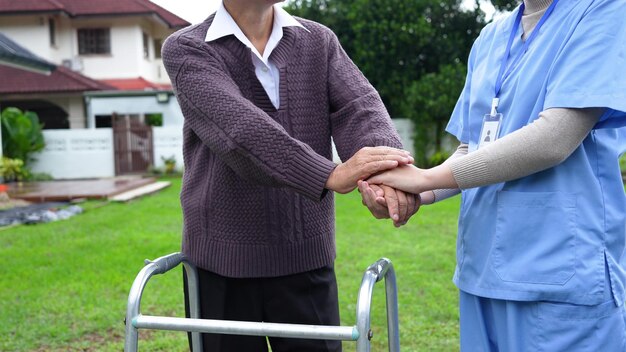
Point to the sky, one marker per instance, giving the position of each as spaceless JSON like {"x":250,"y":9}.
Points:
{"x":195,"y":11}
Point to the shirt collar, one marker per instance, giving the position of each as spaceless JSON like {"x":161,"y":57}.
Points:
{"x":284,"y":19}
{"x":223,"y":25}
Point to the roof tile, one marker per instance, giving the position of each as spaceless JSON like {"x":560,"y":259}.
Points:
{"x":77,"y":8}
{"x":61,"y":80}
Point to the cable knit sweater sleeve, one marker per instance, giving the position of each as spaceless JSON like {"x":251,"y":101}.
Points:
{"x":358,"y":116}
{"x":240,"y":133}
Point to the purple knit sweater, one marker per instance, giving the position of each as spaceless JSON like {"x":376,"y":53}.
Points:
{"x":253,"y":194}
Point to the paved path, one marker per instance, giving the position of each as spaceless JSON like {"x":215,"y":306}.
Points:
{"x":74,"y":189}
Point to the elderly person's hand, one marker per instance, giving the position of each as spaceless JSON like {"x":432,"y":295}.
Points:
{"x":364,"y":163}
{"x":385,"y":202}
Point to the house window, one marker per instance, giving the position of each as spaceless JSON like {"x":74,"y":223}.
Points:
{"x":146,"y":46}
{"x":94,"y":41}
{"x":104,"y":121}
{"x":158,"y":43}
{"x":52,"y":29}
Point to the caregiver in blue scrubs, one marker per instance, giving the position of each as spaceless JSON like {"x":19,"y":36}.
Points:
{"x":542,"y":230}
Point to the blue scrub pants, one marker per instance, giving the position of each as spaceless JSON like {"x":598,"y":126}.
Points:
{"x":514,"y":326}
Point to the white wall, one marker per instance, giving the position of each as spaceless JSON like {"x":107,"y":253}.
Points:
{"x":153,"y":69}
{"x":74,"y":106}
{"x":124,"y":59}
{"x":405,"y":130}
{"x":31,"y":32}
{"x":168,"y":141}
{"x":123,"y":105}
{"x":71,"y":154}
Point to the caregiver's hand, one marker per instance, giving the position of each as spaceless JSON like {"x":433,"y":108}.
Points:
{"x":363,"y":164}
{"x":407,"y":178}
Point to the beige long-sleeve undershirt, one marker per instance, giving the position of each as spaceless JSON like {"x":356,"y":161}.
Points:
{"x":544,"y":143}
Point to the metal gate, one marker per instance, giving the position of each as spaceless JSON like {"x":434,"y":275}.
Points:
{"x":133,"y":145}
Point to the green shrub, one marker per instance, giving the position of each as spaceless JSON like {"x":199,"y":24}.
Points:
{"x":437,"y":158}
{"x":154,"y":120}
{"x":155,"y":171}
{"x":170,"y":164}
{"x":39,"y":176}
{"x":13,"y":170}
{"x":21,"y":134}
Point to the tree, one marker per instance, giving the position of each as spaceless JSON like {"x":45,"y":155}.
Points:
{"x":395,"y":42}
{"x":428,"y":103}
{"x":505,"y":5}
{"x":332,"y":13}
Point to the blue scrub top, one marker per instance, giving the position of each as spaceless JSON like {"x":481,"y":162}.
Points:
{"x":551,"y":235}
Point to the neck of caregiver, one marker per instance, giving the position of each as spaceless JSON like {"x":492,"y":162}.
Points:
{"x":544,"y":143}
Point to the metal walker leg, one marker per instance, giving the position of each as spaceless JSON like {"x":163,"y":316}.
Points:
{"x":361,"y":333}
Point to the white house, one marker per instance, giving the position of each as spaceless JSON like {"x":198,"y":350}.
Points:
{"x":110,"y":69}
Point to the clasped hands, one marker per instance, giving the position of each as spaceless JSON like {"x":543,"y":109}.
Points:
{"x":381,"y":198}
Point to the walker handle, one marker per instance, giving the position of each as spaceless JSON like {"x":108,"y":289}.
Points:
{"x":166,"y":263}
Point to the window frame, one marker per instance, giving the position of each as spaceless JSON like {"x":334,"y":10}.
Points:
{"x":52,"y":31}
{"x":146,"y":45}
{"x":96,"y":39}
{"x":158,"y":43}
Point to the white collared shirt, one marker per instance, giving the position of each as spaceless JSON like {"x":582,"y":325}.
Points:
{"x":265,"y":70}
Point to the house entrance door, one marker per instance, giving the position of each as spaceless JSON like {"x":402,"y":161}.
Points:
{"x":133,"y":146}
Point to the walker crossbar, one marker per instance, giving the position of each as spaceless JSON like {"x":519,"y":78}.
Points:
{"x":321,"y":332}
{"x":361,"y":333}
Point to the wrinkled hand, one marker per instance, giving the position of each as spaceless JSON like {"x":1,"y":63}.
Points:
{"x":368,"y":198}
{"x":363,"y":164}
{"x":385,"y":202}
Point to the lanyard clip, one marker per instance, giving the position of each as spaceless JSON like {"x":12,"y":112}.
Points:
{"x":494,"y":106}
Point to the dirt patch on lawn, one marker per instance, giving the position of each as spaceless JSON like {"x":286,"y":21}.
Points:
{"x":6,"y":203}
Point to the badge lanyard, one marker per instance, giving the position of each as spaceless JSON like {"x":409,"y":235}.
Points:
{"x":491,"y":121}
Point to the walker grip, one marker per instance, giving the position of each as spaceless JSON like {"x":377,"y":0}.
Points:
{"x":165,"y":263}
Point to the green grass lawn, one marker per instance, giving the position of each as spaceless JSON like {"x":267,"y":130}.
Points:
{"x":64,"y":285}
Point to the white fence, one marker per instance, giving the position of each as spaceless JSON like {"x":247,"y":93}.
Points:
{"x":89,"y":153}
{"x":168,"y":142}
{"x":80,"y":153}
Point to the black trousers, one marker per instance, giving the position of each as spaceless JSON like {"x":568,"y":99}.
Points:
{"x":305,"y":298}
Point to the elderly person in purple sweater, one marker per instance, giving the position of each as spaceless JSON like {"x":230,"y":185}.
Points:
{"x":262,"y":94}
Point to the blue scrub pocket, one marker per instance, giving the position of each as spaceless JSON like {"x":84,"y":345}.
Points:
{"x":569,"y":327}
{"x":535,"y":237}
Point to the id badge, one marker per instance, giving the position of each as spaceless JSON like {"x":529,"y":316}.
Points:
{"x":490,"y":129}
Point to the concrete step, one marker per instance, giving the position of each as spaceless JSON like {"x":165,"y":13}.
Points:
{"x":140,"y":191}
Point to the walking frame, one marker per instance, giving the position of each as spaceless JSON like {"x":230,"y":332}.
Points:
{"x":361,"y":332}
